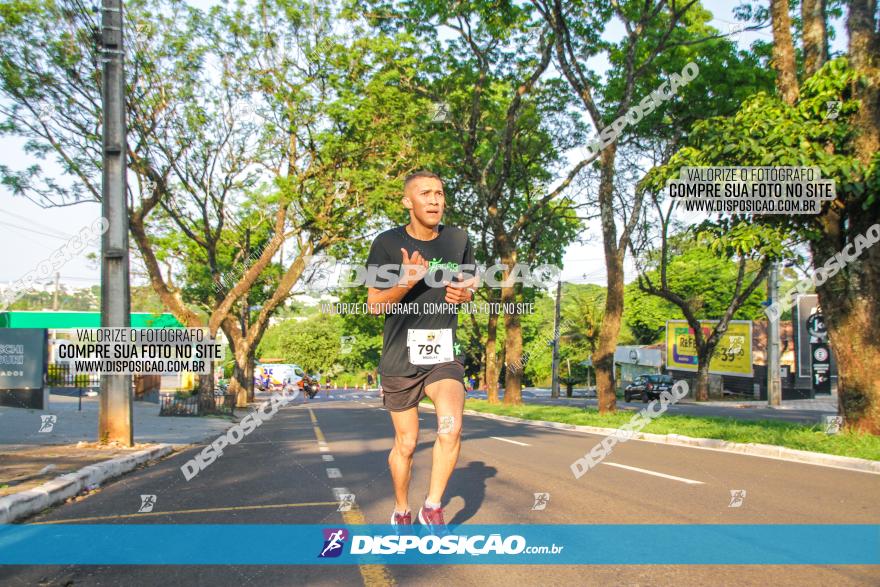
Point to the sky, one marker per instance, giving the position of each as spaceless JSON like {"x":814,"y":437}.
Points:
{"x":29,"y":233}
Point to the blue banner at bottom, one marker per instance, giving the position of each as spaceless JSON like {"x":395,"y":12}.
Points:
{"x":605,"y":544}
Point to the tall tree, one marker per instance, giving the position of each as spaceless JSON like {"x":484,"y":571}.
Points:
{"x":503,"y":138}
{"x":804,"y":134}
{"x":751,"y":248}
{"x":653,"y":29}
{"x":242,"y":121}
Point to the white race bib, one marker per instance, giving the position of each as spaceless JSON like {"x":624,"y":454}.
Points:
{"x":429,"y":347}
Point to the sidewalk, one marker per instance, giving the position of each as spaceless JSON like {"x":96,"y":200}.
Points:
{"x":36,"y":448}
{"x":823,"y":404}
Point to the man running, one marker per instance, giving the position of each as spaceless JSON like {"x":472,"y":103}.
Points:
{"x":420,"y":356}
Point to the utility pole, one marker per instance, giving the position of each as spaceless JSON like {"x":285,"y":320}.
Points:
{"x":774,"y":382}
{"x":115,"y":417}
{"x":57,"y":284}
{"x":554,"y":384}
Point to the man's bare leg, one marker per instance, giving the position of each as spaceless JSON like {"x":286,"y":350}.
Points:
{"x":406,"y":436}
{"x":448,"y":398}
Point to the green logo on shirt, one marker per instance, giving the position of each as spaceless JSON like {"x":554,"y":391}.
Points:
{"x":439,"y":264}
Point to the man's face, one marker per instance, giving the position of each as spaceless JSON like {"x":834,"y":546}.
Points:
{"x":425,"y":200}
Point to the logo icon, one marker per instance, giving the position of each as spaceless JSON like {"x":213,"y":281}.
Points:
{"x":147,"y":503}
{"x":541,"y":501}
{"x":334,"y":540}
{"x":440,"y":112}
{"x":737,"y":497}
{"x":346,"y":501}
{"x":832,"y":109}
{"x":45,"y":112}
{"x":346,"y":344}
{"x":340,"y":188}
{"x":833,"y":424}
{"x":47,"y":423}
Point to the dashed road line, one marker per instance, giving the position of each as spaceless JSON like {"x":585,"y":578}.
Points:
{"x":372,"y":575}
{"x":654,"y":473}
{"x":510,"y":441}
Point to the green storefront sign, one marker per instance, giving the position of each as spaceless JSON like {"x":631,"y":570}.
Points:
{"x":63,"y":320}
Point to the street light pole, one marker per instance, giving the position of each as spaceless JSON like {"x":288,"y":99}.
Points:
{"x":554,"y":370}
{"x":774,"y":382}
{"x":115,"y":417}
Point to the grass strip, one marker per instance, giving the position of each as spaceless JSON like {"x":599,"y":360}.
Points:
{"x":797,"y":436}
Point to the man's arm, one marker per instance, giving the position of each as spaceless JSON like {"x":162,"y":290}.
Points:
{"x":462,"y":290}
{"x":414,"y":269}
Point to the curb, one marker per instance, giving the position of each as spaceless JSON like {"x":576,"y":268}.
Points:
{"x":32,"y":501}
{"x":756,"y":450}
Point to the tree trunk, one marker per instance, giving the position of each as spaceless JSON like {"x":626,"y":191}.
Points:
{"x":815,"y":36}
{"x":242,"y":384}
{"x":701,"y":393}
{"x":513,"y":346}
{"x":783,"y":52}
{"x":853,"y":337}
{"x":206,"y":391}
{"x":850,"y":302}
{"x":603,"y":357}
{"x":492,"y":360}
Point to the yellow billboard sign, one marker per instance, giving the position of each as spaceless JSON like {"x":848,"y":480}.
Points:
{"x":733,"y":355}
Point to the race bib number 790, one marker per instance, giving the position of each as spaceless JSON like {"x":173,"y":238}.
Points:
{"x":429,"y":347}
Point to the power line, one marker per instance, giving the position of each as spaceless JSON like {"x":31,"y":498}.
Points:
{"x":34,"y":223}
{"x":30,"y":229}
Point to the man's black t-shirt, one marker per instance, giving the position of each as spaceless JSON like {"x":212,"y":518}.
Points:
{"x":445,"y":254}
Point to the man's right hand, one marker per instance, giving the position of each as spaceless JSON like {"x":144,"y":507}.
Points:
{"x":413,"y":269}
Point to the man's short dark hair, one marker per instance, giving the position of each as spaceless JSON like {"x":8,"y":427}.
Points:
{"x":418,"y":174}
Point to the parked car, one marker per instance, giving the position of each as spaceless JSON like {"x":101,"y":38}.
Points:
{"x":648,"y":387}
{"x":272,"y":376}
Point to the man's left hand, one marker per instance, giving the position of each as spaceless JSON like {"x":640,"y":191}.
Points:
{"x":459,"y":292}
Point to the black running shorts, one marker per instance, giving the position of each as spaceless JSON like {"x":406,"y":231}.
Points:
{"x":403,"y":393}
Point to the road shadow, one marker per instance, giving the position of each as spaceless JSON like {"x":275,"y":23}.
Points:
{"x":469,"y":483}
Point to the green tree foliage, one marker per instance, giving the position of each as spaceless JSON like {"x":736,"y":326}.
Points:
{"x":702,"y":277}
{"x":313,"y":343}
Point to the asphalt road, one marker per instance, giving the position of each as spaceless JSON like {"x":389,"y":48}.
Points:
{"x":501,"y":466}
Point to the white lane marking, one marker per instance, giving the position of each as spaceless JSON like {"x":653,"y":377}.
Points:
{"x":655,"y":473}
{"x":334,"y":473}
{"x":327,"y":458}
{"x":338,"y":492}
{"x":510,"y":441}
{"x":384,"y":410}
